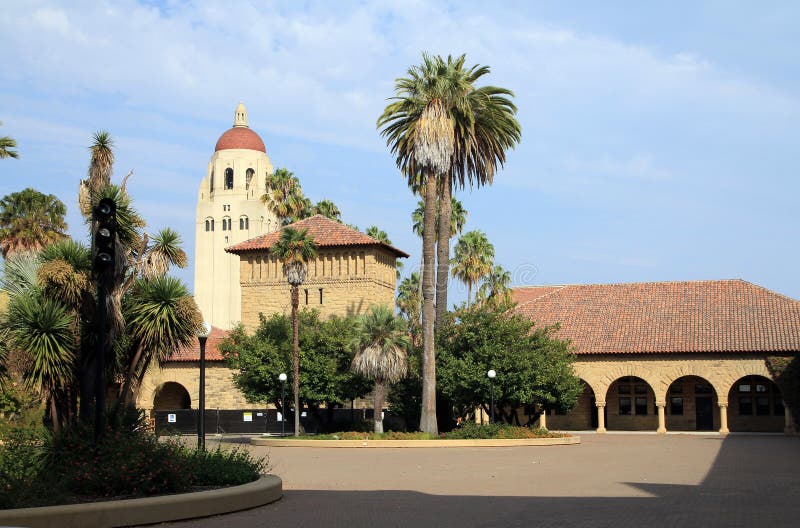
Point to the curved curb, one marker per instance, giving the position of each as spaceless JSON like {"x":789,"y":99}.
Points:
{"x":149,"y":510}
{"x":515,"y":442}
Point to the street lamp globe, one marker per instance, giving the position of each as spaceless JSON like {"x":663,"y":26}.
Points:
{"x":491,"y":373}
{"x":205,"y":330}
{"x":282,"y":376}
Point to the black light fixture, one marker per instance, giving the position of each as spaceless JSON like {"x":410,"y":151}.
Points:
{"x":202,"y":336}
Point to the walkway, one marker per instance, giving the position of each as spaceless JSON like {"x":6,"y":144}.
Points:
{"x":609,"y":480}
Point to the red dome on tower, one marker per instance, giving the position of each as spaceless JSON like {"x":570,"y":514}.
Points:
{"x":240,"y":137}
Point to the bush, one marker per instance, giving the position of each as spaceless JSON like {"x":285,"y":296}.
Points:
{"x":23,"y":479}
{"x":473,"y":431}
{"x":225,"y":467}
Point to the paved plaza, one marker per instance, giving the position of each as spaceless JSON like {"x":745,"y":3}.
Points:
{"x":608,"y":480}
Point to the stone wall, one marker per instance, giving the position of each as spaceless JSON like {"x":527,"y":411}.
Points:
{"x":220,"y":390}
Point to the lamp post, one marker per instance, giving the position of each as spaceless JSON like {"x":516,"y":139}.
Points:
{"x":491,"y":375}
{"x":202,"y":336}
{"x":282,"y":377}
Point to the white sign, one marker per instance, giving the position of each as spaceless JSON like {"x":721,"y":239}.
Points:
{"x":259,"y":414}
{"x":280,"y":417}
{"x":247,"y":417}
{"x":171,"y":418}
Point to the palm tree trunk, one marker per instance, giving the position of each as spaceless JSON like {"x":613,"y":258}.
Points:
{"x":427,"y":421}
{"x":443,"y":249}
{"x":378,"y":406}
{"x":296,"y":359}
{"x":469,"y":294}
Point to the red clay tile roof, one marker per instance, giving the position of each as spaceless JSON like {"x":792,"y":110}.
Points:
{"x":326,"y":233}
{"x":651,"y":317}
{"x":240,"y":138}
{"x":192,"y":352}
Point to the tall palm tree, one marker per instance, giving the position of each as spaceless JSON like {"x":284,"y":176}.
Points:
{"x":101,"y":166}
{"x":409,"y":302}
{"x":7,"y":144}
{"x":380,"y":352}
{"x":473,"y":259}
{"x":419,"y":134}
{"x":327,"y":209}
{"x":284,"y":196}
{"x":294,"y":249}
{"x":30,"y":220}
{"x":496,"y":287}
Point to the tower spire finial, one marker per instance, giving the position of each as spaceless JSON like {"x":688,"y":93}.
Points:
{"x":240,"y":118}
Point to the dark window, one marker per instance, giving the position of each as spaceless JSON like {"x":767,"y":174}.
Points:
{"x":229,"y":178}
{"x":703,"y":388}
{"x":624,"y":406}
{"x":208,"y":225}
{"x":762,"y":405}
{"x":641,"y":405}
{"x":676,"y":388}
{"x":745,"y":405}
{"x":676,"y":406}
{"x":224,"y":225}
{"x":640,"y":389}
{"x":306,"y":299}
{"x":244,"y":223}
{"x":248,"y":176}
{"x":241,"y":223}
{"x":624,"y":388}
{"x":320,"y":295}
{"x":212,"y":224}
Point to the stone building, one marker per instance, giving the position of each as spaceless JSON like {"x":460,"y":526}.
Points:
{"x":351,"y":272}
{"x":229,"y":211}
{"x":671,"y":356}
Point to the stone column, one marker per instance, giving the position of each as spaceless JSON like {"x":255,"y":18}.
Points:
{"x":662,"y":422}
{"x":723,"y":418}
{"x":601,"y":419}
{"x":788,"y":420}
{"x":543,"y":420}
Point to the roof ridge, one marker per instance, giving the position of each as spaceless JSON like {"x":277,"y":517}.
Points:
{"x":692,"y":281}
{"x":556,"y":289}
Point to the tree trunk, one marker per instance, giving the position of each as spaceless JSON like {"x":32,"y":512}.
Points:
{"x":296,"y":359}
{"x":378,"y":407}
{"x":469,"y":294}
{"x":443,"y":249}
{"x":427,"y":421}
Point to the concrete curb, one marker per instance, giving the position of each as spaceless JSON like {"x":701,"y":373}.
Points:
{"x":285,"y":442}
{"x":149,"y":510}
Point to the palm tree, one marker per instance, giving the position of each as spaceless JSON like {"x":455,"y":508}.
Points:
{"x":6,"y":145}
{"x":327,"y":209}
{"x":495,"y":288}
{"x":294,"y":249}
{"x":101,"y":165}
{"x":380,"y":352}
{"x":46,"y":332}
{"x":160,"y":317}
{"x":473,"y":259}
{"x":165,"y":251}
{"x":30,"y":220}
{"x":284,"y":196}
{"x":409,"y":302}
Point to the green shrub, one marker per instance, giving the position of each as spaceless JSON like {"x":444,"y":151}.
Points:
{"x":473,"y":431}
{"x":225,"y":467}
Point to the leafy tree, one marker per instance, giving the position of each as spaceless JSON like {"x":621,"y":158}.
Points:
{"x":30,"y":220}
{"x":473,"y":259}
{"x":328,"y":209}
{"x":380,"y":350}
{"x":7,"y":146}
{"x":533,"y":366}
{"x":294,"y":249}
{"x":325,"y":377}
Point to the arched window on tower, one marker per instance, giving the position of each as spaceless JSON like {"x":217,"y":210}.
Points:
{"x":208,"y":225}
{"x":212,"y":224}
{"x":229,"y":178}
{"x":211,"y":182}
{"x":244,"y":223}
{"x":248,"y":176}
{"x":226,"y":224}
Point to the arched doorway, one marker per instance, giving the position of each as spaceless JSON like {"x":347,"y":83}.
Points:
{"x":631,"y":405}
{"x":171,"y":396}
{"x":692,"y":405}
{"x":755,"y":404}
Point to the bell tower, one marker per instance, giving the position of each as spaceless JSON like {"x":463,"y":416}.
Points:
{"x":229,"y":211}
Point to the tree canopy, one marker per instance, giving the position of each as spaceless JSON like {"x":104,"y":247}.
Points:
{"x":533,"y":366}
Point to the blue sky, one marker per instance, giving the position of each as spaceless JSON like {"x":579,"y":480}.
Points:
{"x":659,"y":143}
